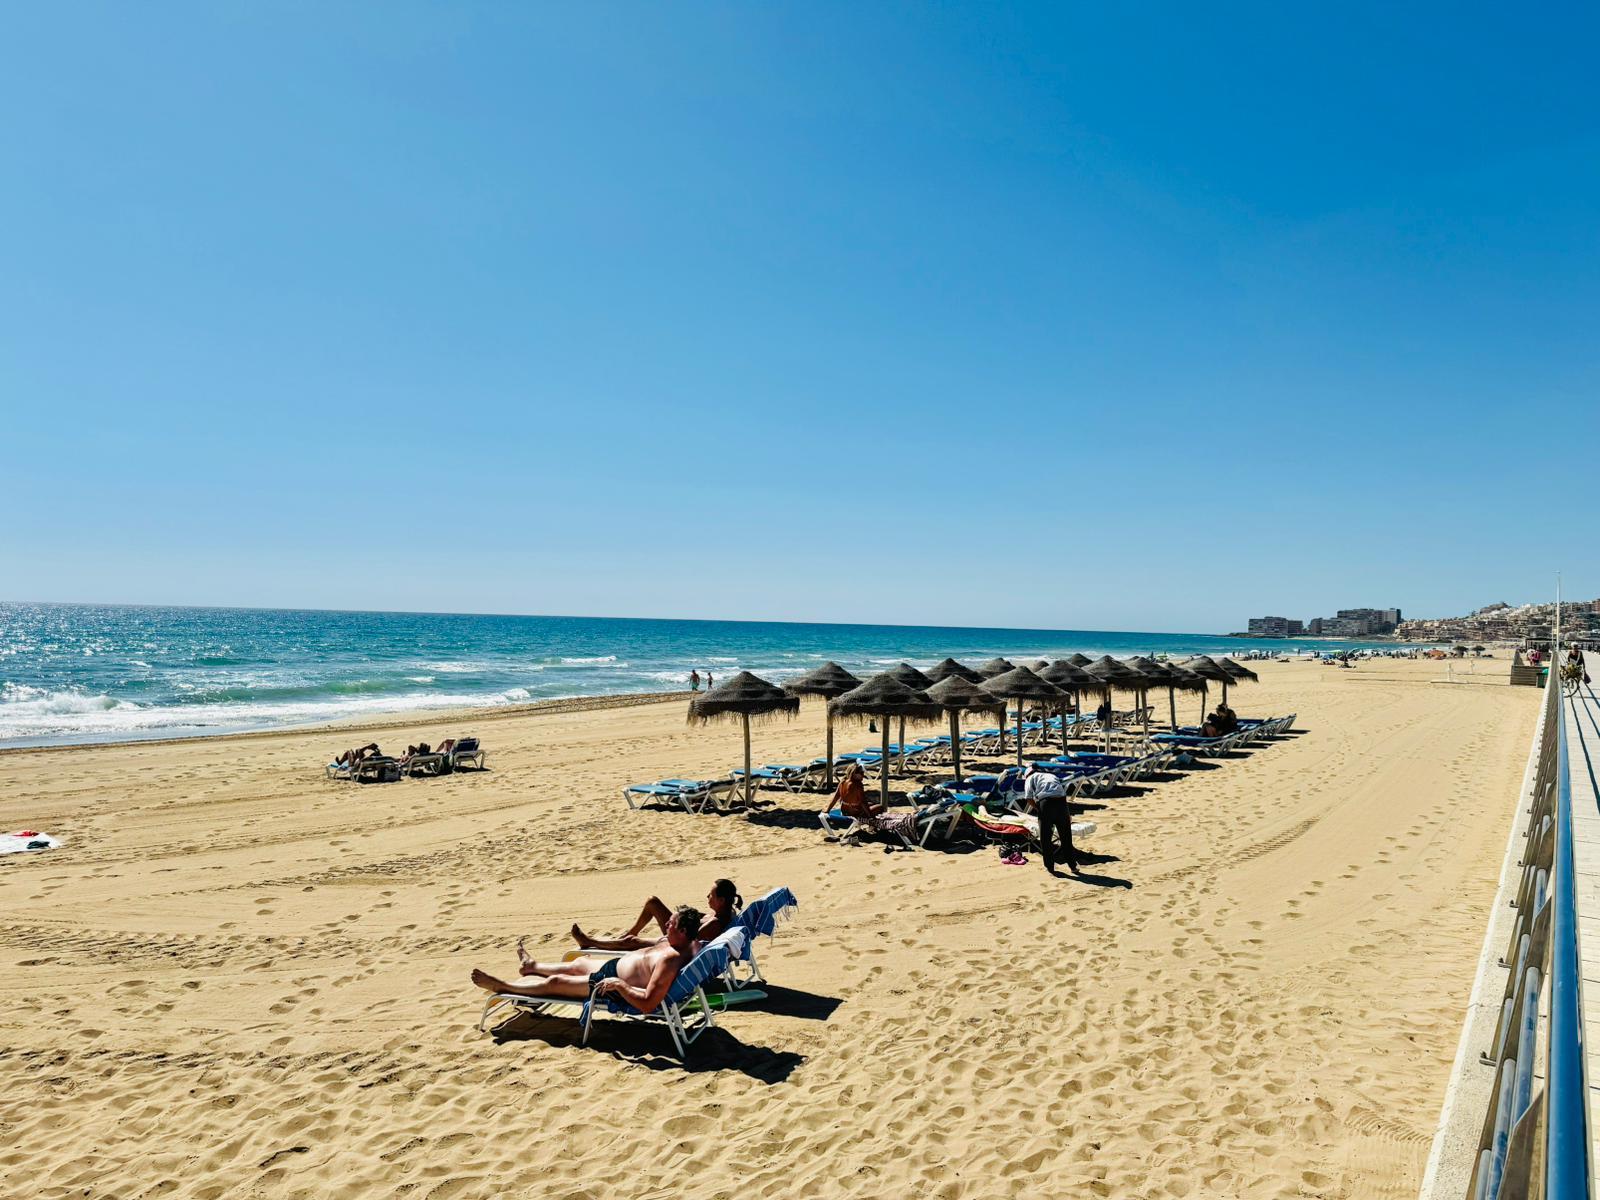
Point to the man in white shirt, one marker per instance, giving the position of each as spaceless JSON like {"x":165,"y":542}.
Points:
{"x":1047,"y":795}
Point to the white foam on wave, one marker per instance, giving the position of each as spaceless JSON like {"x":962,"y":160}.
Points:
{"x":64,"y":717}
{"x":516,"y":695}
{"x":27,"y":711}
{"x":589,"y":662}
{"x":419,"y":678}
{"x":721,"y":660}
{"x":454,"y":668}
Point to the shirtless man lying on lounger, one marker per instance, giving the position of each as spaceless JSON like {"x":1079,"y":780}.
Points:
{"x":641,"y":978}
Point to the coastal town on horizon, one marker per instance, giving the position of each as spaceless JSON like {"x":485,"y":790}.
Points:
{"x":1500,"y":622}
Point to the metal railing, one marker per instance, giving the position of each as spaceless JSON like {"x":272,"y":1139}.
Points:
{"x":1535,"y":1140}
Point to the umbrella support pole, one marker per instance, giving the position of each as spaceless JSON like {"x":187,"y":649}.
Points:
{"x":830,"y":750}
{"x":883,"y":766}
{"x":749,"y":781}
{"x":955,"y":742}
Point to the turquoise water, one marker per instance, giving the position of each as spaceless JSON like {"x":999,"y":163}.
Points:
{"x":81,"y":673}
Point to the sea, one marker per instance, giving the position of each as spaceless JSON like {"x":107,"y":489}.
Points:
{"x":72,"y":673}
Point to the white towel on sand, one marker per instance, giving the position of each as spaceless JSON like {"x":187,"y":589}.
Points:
{"x":16,"y":843}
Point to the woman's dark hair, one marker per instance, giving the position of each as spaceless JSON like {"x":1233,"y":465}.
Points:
{"x":725,"y":889}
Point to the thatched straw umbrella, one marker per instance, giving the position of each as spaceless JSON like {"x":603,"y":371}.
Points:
{"x":1172,"y":678}
{"x":1037,"y":665}
{"x":988,"y":670}
{"x":951,"y":667}
{"x":1113,"y":674}
{"x":1240,"y":674}
{"x":1150,"y":674}
{"x":1189,"y":681}
{"x":884,"y":696}
{"x":1209,"y":668}
{"x":1021,"y":684}
{"x":744,"y":696}
{"x":957,"y":695}
{"x":1072,"y":678}
{"x":1079,"y":660}
{"x":828,"y":680}
{"x":909,"y":675}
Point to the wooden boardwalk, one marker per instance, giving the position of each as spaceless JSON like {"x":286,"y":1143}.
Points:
{"x":1583,"y":764}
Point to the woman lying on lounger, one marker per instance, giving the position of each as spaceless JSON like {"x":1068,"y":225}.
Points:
{"x":851,"y":799}
{"x":724,"y":901}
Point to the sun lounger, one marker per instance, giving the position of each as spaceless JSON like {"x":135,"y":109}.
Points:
{"x":789,"y":776}
{"x":691,"y":795}
{"x":687,"y":1011}
{"x":423,"y":764}
{"x":759,"y":918}
{"x":380,"y":768}
{"x":1015,"y":826}
{"x":468,"y":752}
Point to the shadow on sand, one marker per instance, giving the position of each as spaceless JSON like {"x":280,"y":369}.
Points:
{"x":650,"y":1045}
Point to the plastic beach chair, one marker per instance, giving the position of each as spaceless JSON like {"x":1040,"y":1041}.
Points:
{"x":687,"y":1011}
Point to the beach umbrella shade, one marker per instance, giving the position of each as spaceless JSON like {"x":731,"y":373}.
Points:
{"x":1142,"y":679}
{"x":883,"y":696}
{"x":988,"y":670}
{"x":1021,"y":684}
{"x":828,"y":680}
{"x":951,"y":667}
{"x":1070,"y":677}
{"x":1209,"y":669}
{"x":1079,"y":660}
{"x":1239,"y":674}
{"x":1158,"y":674}
{"x":743,"y":698}
{"x":1037,"y":665}
{"x":1114,"y":674}
{"x":957,"y":695}
{"x":908,"y":674}
{"x":1181,"y":680}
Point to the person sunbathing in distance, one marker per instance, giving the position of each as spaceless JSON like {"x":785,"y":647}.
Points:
{"x":641,"y":978}
{"x":351,"y":757}
{"x":723,"y":900}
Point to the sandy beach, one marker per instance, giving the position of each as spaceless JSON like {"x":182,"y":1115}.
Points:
{"x":240,"y":979}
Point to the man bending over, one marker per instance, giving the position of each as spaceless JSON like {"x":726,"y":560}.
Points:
{"x":641,"y":978}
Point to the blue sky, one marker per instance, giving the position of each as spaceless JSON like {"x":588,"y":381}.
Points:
{"x":1116,"y":317}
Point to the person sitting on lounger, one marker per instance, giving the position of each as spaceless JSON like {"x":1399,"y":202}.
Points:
{"x":641,"y":978}
{"x":723,"y":899}
{"x":413,"y":751}
{"x":850,"y":798}
{"x":1220,"y":723}
{"x":351,"y":757}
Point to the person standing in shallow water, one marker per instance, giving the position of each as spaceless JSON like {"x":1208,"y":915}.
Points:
{"x":694,"y":681}
{"x":710,"y":682}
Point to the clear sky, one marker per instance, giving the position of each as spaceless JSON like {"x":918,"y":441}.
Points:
{"x":1099,"y":316}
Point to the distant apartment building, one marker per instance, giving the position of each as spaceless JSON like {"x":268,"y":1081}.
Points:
{"x":1277,"y":627}
{"x":1377,"y":620}
{"x":1354,"y":622}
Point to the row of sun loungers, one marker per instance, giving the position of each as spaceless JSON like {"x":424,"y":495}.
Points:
{"x":723,"y":974}
{"x":990,"y":804}
{"x":384,"y":768}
